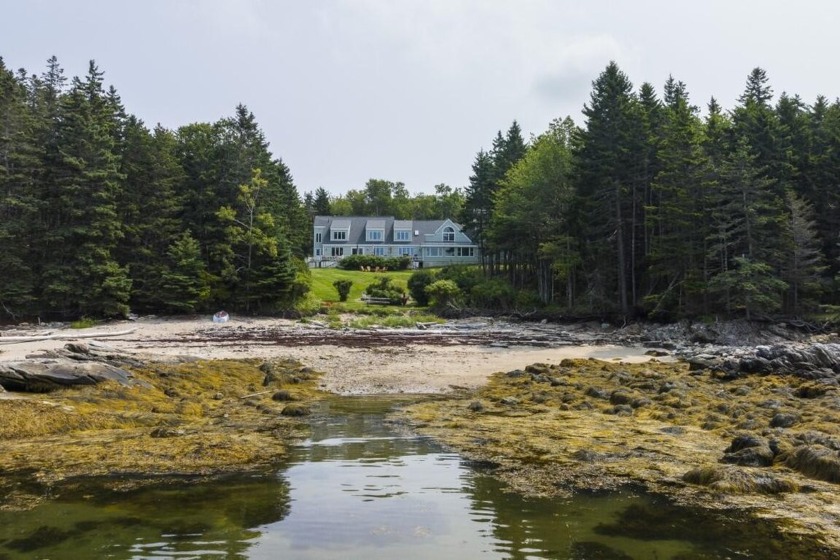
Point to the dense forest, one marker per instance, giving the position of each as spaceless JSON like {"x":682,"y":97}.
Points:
{"x":651,"y":209}
{"x":100,"y":214}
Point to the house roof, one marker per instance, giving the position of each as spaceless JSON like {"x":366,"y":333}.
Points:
{"x":358,"y":226}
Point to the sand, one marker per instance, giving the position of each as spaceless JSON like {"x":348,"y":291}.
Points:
{"x":416,"y":368}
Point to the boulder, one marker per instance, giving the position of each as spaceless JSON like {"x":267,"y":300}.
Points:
{"x":43,"y":376}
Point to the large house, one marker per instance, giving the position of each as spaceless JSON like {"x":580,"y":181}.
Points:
{"x":427,"y":242}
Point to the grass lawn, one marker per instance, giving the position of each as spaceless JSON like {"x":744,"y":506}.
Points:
{"x":323,"y":289}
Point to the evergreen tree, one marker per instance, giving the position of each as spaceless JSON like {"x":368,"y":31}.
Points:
{"x":803,"y":265}
{"x":149,"y":209}
{"x":321,"y":204}
{"x":19,"y":171}
{"x":478,"y":203}
{"x":80,"y":274}
{"x":183,"y":285}
{"x":606,"y":165}
{"x":677,"y":219}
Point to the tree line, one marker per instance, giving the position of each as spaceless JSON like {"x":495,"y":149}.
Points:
{"x":100,"y":214}
{"x":649,"y":209}
{"x":652,"y":209}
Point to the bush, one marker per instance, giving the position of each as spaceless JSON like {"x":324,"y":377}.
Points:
{"x":493,"y":293}
{"x":343,"y":288}
{"x":356,"y":262}
{"x":384,"y":288}
{"x":443,"y":292}
{"x":417,"y":286}
{"x":466,"y":277}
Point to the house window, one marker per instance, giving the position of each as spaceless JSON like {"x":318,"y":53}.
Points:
{"x":318,"y":237}
{"x":339,"y":236}
{"x":433,"y":251}
{"x":357,"y":251}
{"x":448,"y":234}
{"x":379,"y":251}
{"x":374,"y":235}
{"x":465,"y":251}
{"x":402,"y":235}
{"x":317,"y":252}
{"x":338,"y":251}
{"x":405,"y":251}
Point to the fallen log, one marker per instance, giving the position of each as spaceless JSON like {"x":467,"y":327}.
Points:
{"x":16,"y":339}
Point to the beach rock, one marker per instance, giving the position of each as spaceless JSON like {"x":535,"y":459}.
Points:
{"x":295,"y":410}
{"x":748,"y":450}
{"x":476,"y":406}
{"x":166,"y":432}
{"x":783,"y":420}
{"x":41,"y":376}
{"x":816,"y":461}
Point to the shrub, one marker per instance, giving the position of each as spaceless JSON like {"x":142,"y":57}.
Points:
{"x":493,"y":293}
{"x":83,"y":323}
{"x":343,"y":288}
{"x":466,"y":277}
{"x":443,"y":292}
{"x":355,"y":262}
{"x":417,"y":286}
{"x":384,"y":288}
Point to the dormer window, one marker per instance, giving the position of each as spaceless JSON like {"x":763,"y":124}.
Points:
{"x":448,"y":234}
{"x":340,"y":235}
{"x":402,"y":235}
{"x":375,"y":230}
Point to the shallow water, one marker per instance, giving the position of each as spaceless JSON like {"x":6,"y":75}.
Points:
{"x":361,"y":489}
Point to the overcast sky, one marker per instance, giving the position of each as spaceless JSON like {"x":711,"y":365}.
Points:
{"x":410,"y":90}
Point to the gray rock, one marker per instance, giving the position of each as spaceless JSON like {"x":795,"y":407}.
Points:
{"x":476,"y":406}
{"x":49,"y":375}
{"x":783,"y":420}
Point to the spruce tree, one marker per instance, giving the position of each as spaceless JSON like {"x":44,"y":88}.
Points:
{"x":80,"y":274}
{"x":607,"y":158}
{"x":20,"y":167}
{"x":321,"y":204}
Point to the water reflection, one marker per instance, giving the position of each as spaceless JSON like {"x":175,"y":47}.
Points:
{"x":176,"y":519}
{"x":361,"y":489}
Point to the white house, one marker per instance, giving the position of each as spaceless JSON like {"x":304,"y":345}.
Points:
{"x":427,"y":242}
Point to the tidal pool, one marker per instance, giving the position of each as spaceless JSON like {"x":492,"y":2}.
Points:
{"x":361,"y":489}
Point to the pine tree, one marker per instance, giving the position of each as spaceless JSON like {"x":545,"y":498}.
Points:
{"x":149,"y":209}
{"x":681,"y":195}
{"x":80,"y":274}
{"x":607,"y":159}
{"x":321,"y":204}
{"x":19,"y":171}
{"x":478,"y":203}
{"x":803,"y":265}
{"x":183,"y":284}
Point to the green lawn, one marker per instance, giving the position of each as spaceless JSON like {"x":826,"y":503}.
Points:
{"x":323,"y":278}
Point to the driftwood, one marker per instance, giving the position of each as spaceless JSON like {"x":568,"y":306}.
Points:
{"x":16,"y":339}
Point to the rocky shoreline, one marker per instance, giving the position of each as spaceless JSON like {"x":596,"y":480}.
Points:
{"x":708,"y":422}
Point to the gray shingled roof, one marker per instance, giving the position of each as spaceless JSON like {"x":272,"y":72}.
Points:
{"x":358,"y":225}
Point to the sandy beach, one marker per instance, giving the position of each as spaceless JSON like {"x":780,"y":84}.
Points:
{"x":411,"y":368}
